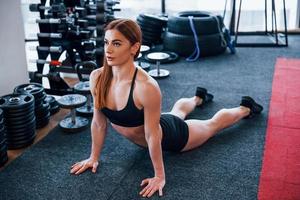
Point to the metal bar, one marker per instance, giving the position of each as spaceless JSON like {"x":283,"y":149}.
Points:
{"x":238,"y":21}
{"x":285,"y":23}
{"x":266,"y":16}
{"x":275,"y":20}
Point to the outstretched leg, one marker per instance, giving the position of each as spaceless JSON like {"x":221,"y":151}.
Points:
{"x":201,"y":130}
{"x":184,"y":106}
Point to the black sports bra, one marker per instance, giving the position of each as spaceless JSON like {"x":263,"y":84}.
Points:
{"x":130,"y":116}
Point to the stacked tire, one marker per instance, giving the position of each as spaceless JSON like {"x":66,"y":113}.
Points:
{"x":152,"y":27}
{"x":179,"y":36}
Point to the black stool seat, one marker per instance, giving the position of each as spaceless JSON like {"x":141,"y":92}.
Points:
{"x":158,"y":57}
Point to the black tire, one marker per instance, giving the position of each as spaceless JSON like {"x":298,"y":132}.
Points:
{"x":161,"y":21}
{"x":205,"y":23}
{"x":184,"y":45}
{"x":143,"y":22}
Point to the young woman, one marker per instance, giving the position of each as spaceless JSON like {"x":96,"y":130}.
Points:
{"x":130,"y":99}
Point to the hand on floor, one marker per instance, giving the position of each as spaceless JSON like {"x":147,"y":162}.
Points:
{"x":152,"y":185}
{"x":81,"y":166}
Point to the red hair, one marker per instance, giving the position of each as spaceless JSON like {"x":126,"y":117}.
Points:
{"x":132,"y":32}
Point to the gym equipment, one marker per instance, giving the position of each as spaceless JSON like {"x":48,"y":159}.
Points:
{"x":273,"y":34}
{"x":85,"y":68}
{"x":54,"y":107}
{"x":158,"y":57}
{"x":73,"y":123}
{"x":3,"y":146}
{"x":87,"y":109}
{"x":196,"y":33}
{"x":73,"y":29}
{"x":152,"y":28}
{"x":144,"y":65}
{"x":173,"y":57}
{"x":18,"y":112}
{"x":41,"y":107}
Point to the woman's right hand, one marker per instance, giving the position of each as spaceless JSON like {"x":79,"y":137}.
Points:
{"x":81,"y":166}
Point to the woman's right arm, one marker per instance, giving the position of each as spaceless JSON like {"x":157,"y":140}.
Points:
{"x":98,"y":133}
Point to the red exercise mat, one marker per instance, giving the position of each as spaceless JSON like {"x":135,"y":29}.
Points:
{"x":280,"y":175}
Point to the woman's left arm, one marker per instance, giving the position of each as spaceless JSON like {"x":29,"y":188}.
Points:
{"x":151,"y":100}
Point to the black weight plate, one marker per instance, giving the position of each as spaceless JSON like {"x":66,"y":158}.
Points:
{"x":20,"y":128}
{"x":3,"y":150}
{"x":18,"y":138}
{"x":1,"y":113}
{"x":2,"y":133}
{"x":54,"y":105}
{"x":35,"y":89}
{"x":3,"y":156}
{"x":42,"y":112}
{"x":2,"y":143}
{"x":19,"y":121}
{"x":16,"y":101}
{"x":25,"y":133}
{"x":54,"y":110}
{"x":42,"y":119}
{"x":82,"y":87}
{"x":80,"y":124}
{"x":51,"y":100}
{"x":44,"y":122}
{"x":3,"y":160}
{"x":72,"y":101}
{"x":21,"y":137}
{"x":173,"y":57}
{"x":18,"y":112}
{"x":39,"y":101}
{"x":85,"y":111}
{"x":20,"y":145}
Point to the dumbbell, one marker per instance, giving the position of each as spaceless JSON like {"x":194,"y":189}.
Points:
{"x":84,"y":89}
{"x":73,"y":123}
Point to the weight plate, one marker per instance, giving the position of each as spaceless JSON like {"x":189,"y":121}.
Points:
{"x":51,"y":100}
{"x":20,"y":145}
{"x":16,"y":101}
{"x":173,"y":57}
{"x":79,"y":125}
{"x":82,"y":87}
{"x":85,"y":111}
{"x":54,"y":110}
{"x":20,"y":128}
{"x":36,"y":89}
{"x":19,"y":112}
{"x":12,"y":122}
{"x":72,"y":101}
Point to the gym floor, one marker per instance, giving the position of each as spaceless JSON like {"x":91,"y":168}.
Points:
{"x":227,"y":167}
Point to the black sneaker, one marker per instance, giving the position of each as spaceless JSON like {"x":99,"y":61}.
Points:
{"x":202,"y":93}
{"x":255,"y":108}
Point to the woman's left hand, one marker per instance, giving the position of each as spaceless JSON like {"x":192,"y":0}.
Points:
{"x":152,"y":185}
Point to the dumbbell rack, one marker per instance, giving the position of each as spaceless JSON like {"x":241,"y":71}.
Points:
{"x":75,"y":27}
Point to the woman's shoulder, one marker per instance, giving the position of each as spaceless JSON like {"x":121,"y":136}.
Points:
{"x":96,"y":73}
{"x":146,"y":82}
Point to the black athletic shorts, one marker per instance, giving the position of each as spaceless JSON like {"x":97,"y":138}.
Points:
{"x":175,"y":133}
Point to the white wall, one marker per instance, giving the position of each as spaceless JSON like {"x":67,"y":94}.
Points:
{"x":13,"y":68}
